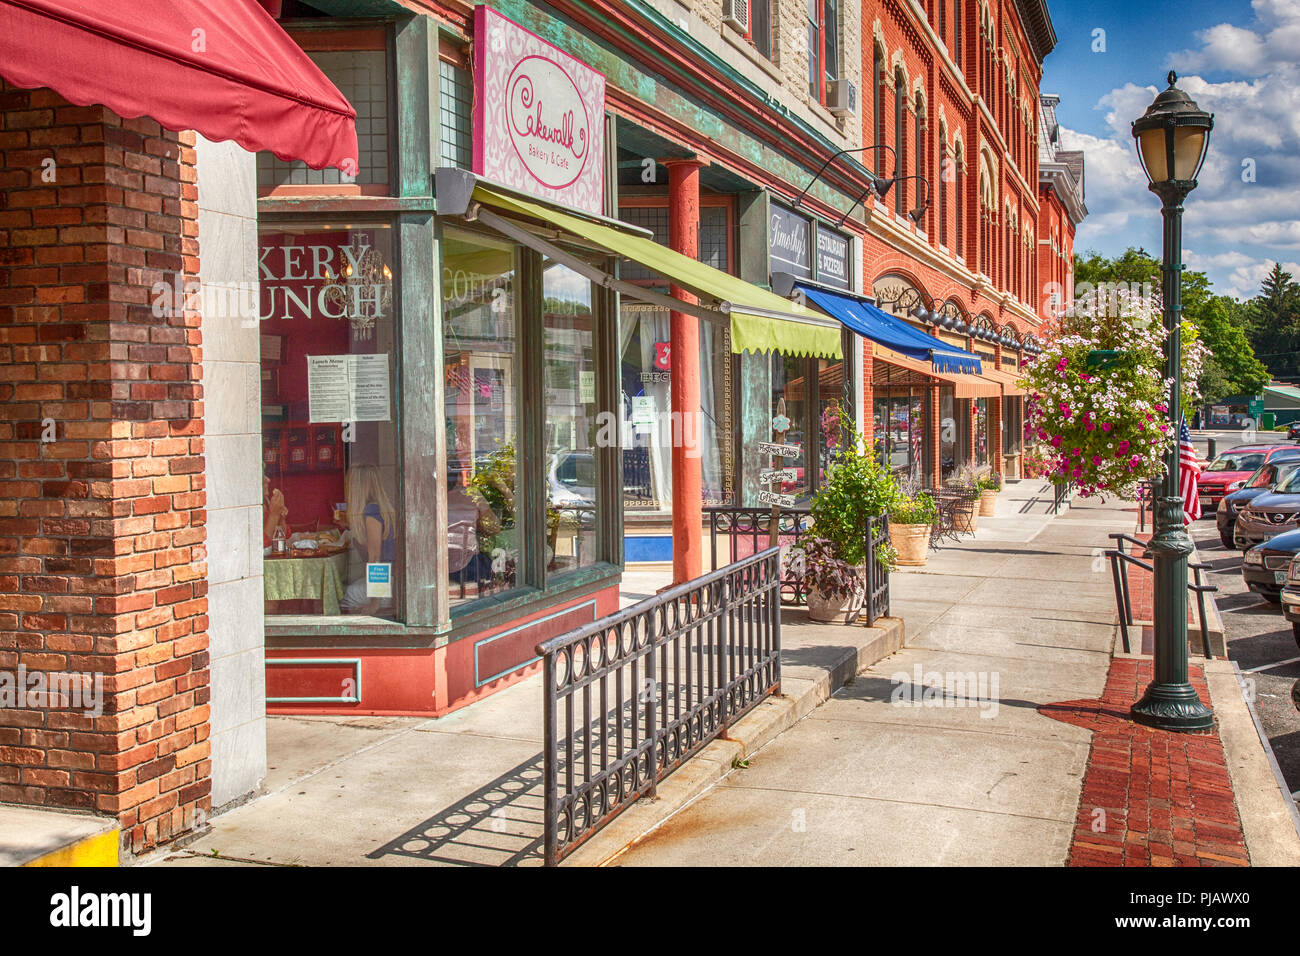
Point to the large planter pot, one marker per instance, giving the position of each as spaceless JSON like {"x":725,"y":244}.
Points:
{"x":833,"y":610}
{"x":912,"y":542}
{"x":966,"y":517}
{"x":988,"y":501}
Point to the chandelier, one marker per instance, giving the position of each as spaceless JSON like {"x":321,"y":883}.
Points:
{"x":368,"y":288}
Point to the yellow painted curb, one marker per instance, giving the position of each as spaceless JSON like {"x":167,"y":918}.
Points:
{"x":97,"y":850}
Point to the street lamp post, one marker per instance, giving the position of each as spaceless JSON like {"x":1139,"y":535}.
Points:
{"x":1172,"y":138}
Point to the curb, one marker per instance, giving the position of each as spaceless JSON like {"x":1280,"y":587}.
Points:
{"x":767,"y":721}
{"x":1269,"y":818}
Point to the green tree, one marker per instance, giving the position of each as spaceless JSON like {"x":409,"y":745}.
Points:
{"x":1274,"y":327}
{"x":1224,"y":323}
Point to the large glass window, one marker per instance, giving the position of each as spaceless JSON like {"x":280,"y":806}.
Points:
{"x":332,"y":525}
{"x":571,"y":427}
{"x":980,"y":422}
{"x":481,"y":372}
{"x":951,"y":453}
{"x":1013,"y":424}
{"x":898,"y":429}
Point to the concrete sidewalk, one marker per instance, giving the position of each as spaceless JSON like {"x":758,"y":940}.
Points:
{"x":892,"y":772}
{"x":465,"y":789}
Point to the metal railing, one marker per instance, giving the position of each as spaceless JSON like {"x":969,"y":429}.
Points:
{"x":630,"y":697}
{"x":1119,"y":562}
{"x":1061,"y":494}
{"x":745,"y":531}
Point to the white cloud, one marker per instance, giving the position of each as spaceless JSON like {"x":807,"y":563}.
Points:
{"x":1245,"y":212}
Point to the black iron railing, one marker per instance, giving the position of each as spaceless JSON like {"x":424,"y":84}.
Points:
{"x":630,"y":697}
{"x":736,"y":533}
{"x":1061,"y":494}
{"x":1119,"y":564}
{"x":876,"y":602}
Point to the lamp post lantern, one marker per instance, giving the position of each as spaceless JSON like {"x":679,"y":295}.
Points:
{"x":1172,"y":138}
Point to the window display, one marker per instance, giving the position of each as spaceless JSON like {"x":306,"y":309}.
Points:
{"x":481,"y":375}
{"x":331,"y":531}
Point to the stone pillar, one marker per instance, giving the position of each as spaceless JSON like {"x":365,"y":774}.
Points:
{"x":103,"y":561}
{"x":684,"y":391}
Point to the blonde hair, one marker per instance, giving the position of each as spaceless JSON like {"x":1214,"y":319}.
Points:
{"x":361,"y":487}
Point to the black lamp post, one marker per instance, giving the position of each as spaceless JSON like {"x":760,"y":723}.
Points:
{"x":1172,"y":138}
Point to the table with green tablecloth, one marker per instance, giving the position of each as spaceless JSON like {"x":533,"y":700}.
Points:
{"x":306,"y":579}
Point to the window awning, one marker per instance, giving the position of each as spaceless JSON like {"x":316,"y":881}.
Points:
{"x":760,"y":321}
{"x":964,"y":385}
{"x":1010,"y":383}
{"x":880,"y":327}
{"x":222,"y":67}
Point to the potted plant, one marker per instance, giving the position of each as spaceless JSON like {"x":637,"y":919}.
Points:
{"x":835,"y":588}
{"x":911,"y":519}
{"x":989,"y":484}
{"x":858,"y":487}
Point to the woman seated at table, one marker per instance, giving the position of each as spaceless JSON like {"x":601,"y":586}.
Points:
{"x":274,"y":512}
{"x":373,"y":521}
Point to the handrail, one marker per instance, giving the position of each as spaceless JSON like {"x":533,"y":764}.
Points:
{"x":630,"y":697}
{"x":1119,"y":562}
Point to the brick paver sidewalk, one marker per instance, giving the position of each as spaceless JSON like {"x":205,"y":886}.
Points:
{"x":1167,"y":798}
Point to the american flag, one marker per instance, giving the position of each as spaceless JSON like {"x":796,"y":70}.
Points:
{"x":1189,"y":471}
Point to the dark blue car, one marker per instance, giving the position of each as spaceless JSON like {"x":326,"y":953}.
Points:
{"x":1266,"y":476}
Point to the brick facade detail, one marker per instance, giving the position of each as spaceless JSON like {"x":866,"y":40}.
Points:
{"x":102,"y":540}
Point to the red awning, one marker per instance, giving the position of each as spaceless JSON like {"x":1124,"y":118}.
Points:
{"x":222,"y":67}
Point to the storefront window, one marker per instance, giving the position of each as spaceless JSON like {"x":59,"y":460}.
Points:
{"x":950,"y":456}
{"x":332,"y":528}
{"x":899,"y":430}
{"x":980,"y":422}
{"x":831,"y":411}
{"x":571,"y":425}
{"x":648,"y":424}
{"x":765,"y":379}
{"x":481,"y":374}
{"x":1012,"y":424}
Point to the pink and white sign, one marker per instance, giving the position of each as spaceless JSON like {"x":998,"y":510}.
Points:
{"x":539,"y":115}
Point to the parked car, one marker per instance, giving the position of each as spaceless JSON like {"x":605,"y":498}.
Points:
{"x":1265,"y":478}
{"x":1293,"y":431}
{"x":1266,"y":568}
{"x":1291,"y":591}
{"x":1269,"y":514}
{"x":1234,"y":465}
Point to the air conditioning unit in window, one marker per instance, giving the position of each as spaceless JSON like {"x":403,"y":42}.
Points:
{"x":735,"y":14}
{"x":841,"y":97}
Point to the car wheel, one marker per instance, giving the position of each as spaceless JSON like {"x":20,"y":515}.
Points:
{"x":1225,"y":541}
{"x":1272,"y":597}
{"x":1295,"y":632}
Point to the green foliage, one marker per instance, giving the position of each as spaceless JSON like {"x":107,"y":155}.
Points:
{"x":494,"y":484}
{"x":1274,"y":317}
{"x":914,"y":509}
{"x":1231,"y":330}
{"x":857,"y":487}
{"x":826,"y":571}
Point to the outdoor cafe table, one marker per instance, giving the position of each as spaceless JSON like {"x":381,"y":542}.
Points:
{"x":305,"y":577}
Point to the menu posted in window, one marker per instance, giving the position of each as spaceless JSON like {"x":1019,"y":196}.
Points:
{"x":348,"y":388}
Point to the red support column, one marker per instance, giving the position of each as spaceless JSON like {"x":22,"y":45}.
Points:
{"x":868,"y":395}
{"x":684,"y":389}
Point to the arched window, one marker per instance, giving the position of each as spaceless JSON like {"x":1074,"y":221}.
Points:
{"x":959,"y":180}
{"x":956,"y":35}
{"x":922,"y":189}
{"x":900,"y":141}
{"x":945,"y":170}
{"x":878,"y":107}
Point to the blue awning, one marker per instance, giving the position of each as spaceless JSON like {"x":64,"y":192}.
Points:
{"x":874,"y":323}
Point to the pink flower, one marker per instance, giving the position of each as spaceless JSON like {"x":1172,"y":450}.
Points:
{"x":1134,"y":461}
{"x":1074,"y":453}
{"x":1078,"y":471}
{"x":1096,"y":459}
{"x":1090,"y":427}
{"x":1056,"y":442}
{"x":1106,"y":426}
{"x":1085,"y":378}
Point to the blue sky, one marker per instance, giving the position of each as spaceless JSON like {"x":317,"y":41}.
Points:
{"x":1237,"y":59}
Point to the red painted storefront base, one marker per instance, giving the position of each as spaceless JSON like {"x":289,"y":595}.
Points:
{"x":421,"y":682}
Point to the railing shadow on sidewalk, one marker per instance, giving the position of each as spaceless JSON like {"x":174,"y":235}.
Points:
{"x":499,"y":824}
{"x":885,"y":690}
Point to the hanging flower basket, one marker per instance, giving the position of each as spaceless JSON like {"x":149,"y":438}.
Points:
{"x":1097,"y":403}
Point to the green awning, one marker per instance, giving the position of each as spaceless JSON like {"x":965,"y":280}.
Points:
{"x":760,"y":320}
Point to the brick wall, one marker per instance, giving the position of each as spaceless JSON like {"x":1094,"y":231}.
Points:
{"x":102,"y":560}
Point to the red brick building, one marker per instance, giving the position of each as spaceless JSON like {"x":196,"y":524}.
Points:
{"x":1061,"y":209}
{"x":955,"y":98}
